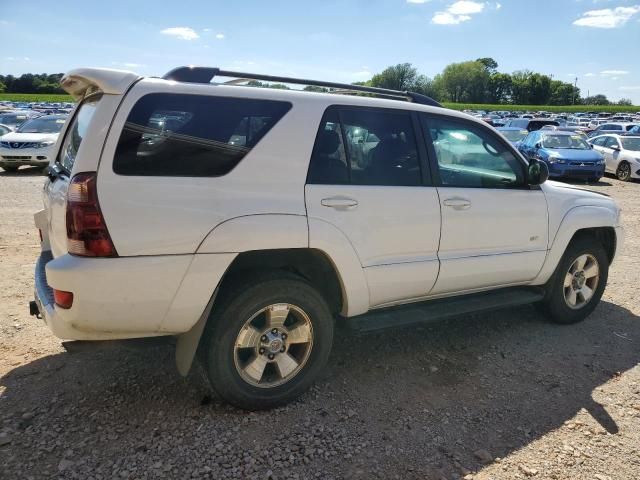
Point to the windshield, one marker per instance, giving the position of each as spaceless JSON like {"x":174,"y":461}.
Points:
{"x":13,"y":118}
{"x":42,"y":125}
{"x":631,"y":144}
{"x":514,"y":135}
{"x":574,"y":142}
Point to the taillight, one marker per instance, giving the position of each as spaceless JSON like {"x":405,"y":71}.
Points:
{"x":87,"y":233}
{"x":63,"y":299}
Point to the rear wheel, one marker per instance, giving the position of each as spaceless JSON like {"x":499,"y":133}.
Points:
{"x":267,"y":341}
{"x":623,"y":172}
{"x":579,"y":282}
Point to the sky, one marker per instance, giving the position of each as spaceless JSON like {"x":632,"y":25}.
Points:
{"x":595,"y":41}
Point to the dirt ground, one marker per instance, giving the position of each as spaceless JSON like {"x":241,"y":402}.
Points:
{"x":494,"y":396}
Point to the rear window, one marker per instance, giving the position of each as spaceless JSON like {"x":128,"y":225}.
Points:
{"x":538,"y":124}
{"x":76,"y":132}
{"x":192,"y":135}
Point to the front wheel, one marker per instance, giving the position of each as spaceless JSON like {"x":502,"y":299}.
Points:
{"x":10,"y":169}
{"x":579,"y":282}
{"x":623,"y":172}
{"x":267,"y":341}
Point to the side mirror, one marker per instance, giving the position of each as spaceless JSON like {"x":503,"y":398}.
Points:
{"x":616,"y":147}
{"x":538,"y":145}
{"x":538,"y":173}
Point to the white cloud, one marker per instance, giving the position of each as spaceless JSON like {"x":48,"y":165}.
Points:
{"x":606,"y":73}
{"x":205,"y":30}
{"x":219,"y":36}
{"x":458,"y":12}
{"x":465,"y":7}
{"x":607,"y":17}
{"x":590,"y":74}
{"x":128,"y":64}
{"x":182,"y":33}
{"x":629,"y":88}
{"x":498,"y":6}
{"x":418,"y":1}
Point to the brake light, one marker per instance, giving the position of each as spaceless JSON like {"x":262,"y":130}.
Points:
{"x":63,"y":299}
{"x":87,"y":233}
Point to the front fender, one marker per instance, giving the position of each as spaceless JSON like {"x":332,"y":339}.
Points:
{"x":578,"y":218}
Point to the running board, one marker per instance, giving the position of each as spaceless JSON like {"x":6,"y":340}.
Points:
{"x":444,"y":308}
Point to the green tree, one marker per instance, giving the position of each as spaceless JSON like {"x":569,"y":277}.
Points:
{"x":499,"y":88}
{"x":402,"y":76}
{"x":563,"y":93}
{"x":623,"y":101}
{"x":463,"y":82}
{"x":599,"y":99}
{"x":489,"y":63}
{"x":3,"y":87}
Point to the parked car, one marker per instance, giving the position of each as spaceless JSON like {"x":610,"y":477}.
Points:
{"x":611,"y":127}
{"x":31,"y":144}
{"x":513,"y":134}
{"x":621,"y":154}
{"x":251,"y":252}
{"x":566,"y":153}
{"x":635,"y":130}
{"x":530,"y":124}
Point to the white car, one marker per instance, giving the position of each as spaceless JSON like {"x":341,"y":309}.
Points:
{"x":237,"y":219}
{"x":621,"y":154}
{"x":33,"y":143}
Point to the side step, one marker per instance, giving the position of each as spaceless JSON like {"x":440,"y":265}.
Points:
{"x":444,"y":308}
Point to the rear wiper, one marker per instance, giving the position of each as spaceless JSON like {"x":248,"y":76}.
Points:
{"x":54,"y":171}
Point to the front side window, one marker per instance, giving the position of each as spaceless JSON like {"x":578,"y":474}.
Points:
{"x":365,"y":147}
{"x":599,"y":141}
{"x":469,"y":156}
{"x":192,"y":135}
{"x":610,"y":142}
{"x":77,"y":131}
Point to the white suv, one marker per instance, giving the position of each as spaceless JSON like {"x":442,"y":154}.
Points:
{"x":247,"y":221}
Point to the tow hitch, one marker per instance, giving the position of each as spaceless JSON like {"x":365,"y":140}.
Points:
{"x":34,"y":310}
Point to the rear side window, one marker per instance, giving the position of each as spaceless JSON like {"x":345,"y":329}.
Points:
{"x":365,"y":147}
{"x":77,"y":131}
{"x":192,"y":135}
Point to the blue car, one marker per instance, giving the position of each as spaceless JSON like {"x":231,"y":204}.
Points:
{"x":567,"y":154}
{"x":514,"y":134}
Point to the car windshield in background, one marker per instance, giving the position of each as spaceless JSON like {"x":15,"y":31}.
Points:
{"x":42,"y":125}
{"x":514,"y":135}
{"x":631,"y":144}
{"x":13,"y":118}
{"x":575,"y":142}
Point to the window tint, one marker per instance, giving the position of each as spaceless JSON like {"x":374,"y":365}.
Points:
{"x":600,"y":141}
{"x":365,"y":147}
{"x":76,"y":132}
{"x":469,"y":156}
{"x":192,"y":135}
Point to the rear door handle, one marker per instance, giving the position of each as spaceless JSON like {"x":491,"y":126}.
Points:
{"x":339,"y":203}
{"x":457,"y":203}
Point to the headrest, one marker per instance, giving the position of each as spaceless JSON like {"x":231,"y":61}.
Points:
{"x":328,"y":142}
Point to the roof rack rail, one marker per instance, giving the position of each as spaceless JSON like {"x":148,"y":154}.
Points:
{"x":193,"y":74}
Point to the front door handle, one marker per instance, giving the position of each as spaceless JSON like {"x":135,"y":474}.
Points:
{"x":339,"y":203}
{"x":457,"y":203}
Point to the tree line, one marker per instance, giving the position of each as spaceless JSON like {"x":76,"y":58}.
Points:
{"x":475,"y":81}
{"x":478,"y":81}
{"x":31,"y":83}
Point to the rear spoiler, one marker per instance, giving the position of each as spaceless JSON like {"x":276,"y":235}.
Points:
{"x":83,"y":81}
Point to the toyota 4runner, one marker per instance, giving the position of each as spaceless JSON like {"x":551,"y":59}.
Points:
{"x":248,"y":221}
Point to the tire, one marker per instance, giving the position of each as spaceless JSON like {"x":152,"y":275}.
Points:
{"x":556,"y":304}
{"x":241,"y":319}
{"x":623,"y":172}
{"x":11,"y":169}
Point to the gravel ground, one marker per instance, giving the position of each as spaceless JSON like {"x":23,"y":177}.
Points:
{"x":491,"y":396}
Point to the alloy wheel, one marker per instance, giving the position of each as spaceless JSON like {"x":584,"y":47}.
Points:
{"x":581,"y":281}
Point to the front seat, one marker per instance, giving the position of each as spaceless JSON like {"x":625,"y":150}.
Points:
{"x":325,"y":168}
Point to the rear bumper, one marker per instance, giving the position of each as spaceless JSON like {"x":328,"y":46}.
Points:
{"x":129,"y":297}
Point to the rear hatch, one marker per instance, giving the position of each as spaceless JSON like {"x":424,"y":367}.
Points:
{"x":99,"y":92}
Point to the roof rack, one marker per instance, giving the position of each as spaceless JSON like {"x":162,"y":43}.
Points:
{"x":206,"y":74}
